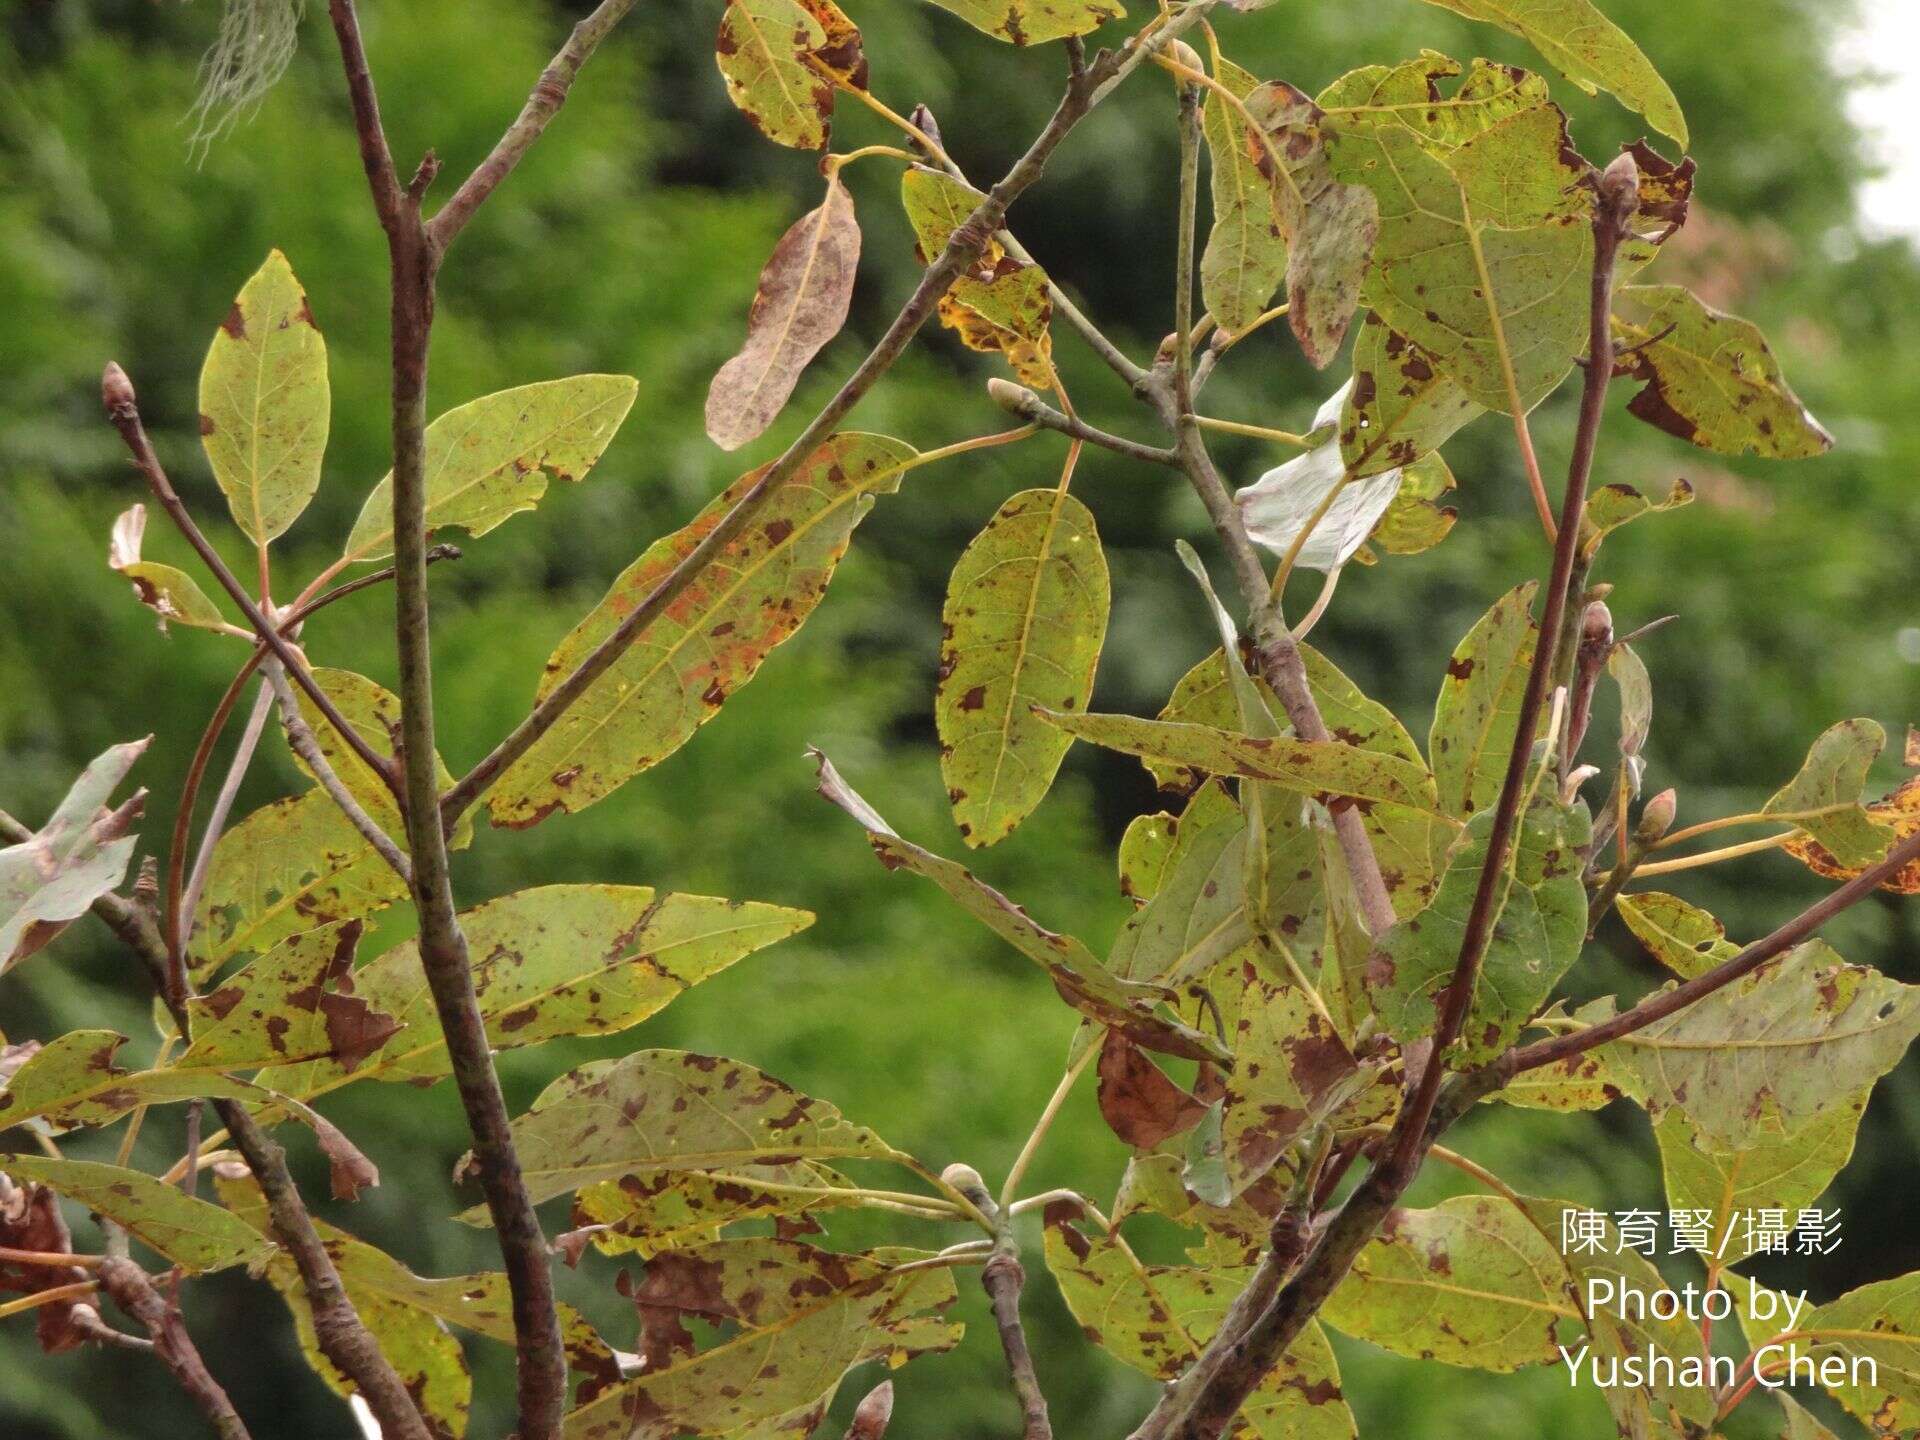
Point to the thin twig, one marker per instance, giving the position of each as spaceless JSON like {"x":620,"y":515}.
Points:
{"x":133,"y":1292}
{"x":1003,"y":1279}
{"x":307,"y":746}
{"x":217,"y":819}
{"x":1027,"y":405}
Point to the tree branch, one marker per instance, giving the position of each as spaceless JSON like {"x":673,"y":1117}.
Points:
{"x":414,"y":262}
{"x":963,"y":247}
{"x":133,"y":1292}
{"x":1003,"y":1279}
{"x":1019,"y":401}
{"x":549,"y":94}
{"x":1617,"y":199}
{"x":116,"y":392}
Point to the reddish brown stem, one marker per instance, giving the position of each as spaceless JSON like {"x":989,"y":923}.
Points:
{"x":133,"y":1292}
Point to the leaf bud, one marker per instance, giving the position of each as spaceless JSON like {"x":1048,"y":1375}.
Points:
{"x":870,"y":1417}
{"x":116,"y":392}
{"x":1656,"y":817}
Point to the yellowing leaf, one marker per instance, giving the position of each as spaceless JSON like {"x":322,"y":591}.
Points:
{"x":73,"y":1081}
{"x":1157,"y":1318}
{"x":800,"y":305}
{"x":1790,"y":1042}
{"x":1580,"y":1082}
{"x":191,"y":1233}
{"x":798,"y":1318}
{"x":264,"y":403}
{"x":1588,"y":49}
{"x":1025,"y":615}
{"x":1681,"y":936}
{"x":1033,"y":22}
{"x":1878,"y":1323}
{"x":1478,"y":711}
{"x":667,"y":1112}
{"x":1309,"y":767}
{"x":1246,"y":254}
{"x":81,"y":853}
{"x":490,"y":459}
{"x":777,"y":58}
{"x":170,"y":593}
{"x":647,"y":1215}
{"x":1145,"y":849}
{"x":289,"y":867}
{"x":1402,"y":405}
{"x":999,"y":305}
{"x":295,"y":1002}
{"x":1198,"y":915}
{"x":1711,"y":378}
{"x":1203,"y":696}
{"x":1900,"y":812}
{"x":1824,"y":798}
{"x":374,"y":713}
{"x":1612,"y":506}
{"x":1415,"y":522}
{"x":557,"y":960}
{"x":1083,"y":982}
{"x":672,"y":679}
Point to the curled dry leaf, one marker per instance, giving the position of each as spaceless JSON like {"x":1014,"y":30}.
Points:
{"x":1138,"y":1101}
{"x":30,"y":1220}
{"x":80,"y":854}
{"x":800,"y":305}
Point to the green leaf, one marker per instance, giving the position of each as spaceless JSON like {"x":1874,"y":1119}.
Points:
{"x":1782,"y":1046}
{"x":1082,"y":981}
{"x":1681,"y":936}
{"x":1711,"y":378}
{"x":1477,"y":713}
{"x":1145,"y":849}
{"x":1612,"y":506}
{"x":1800,"y":1425}
{"x":491,"y":458}
{"x":1198,"y":915}
{"x":1415,"y":522}
{"x":754,"y":594}
{"x":800,"y":305}
{"x":295,"y":1002}
{"x":1246,"y":254}
{"x":264,"y":403}
{"x":170,"y":593}
{"x":1539,"y":923}
{"x":558,"y":960}
{"x":81,"y":853}
{"x":797,"y":1319}
{"x":1024,"y":620}
{"x":648,"y":1215}
{"x":1157,"y":1318}
{"x":1322,"y":768}
{"x":1588,"y":49}
{"x":1402,"y":405}
{"x":73,"y":1081}
{"x":1880,"y":1323}
{"x":1767,"y":1171}
{"x":194,"y":1235}
{"x":1824,"y":798}
{"x":1484,"y":254}
{"x":668,"y":1111}
{"x":1471,"y":1282}
{"x":408,"y":1314}
{"x":1034,"y":22}
{"x":374,"y":713}
{"x":289,"y":867}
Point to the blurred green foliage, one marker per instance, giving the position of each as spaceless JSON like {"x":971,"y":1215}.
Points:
{"x":629,"y":241}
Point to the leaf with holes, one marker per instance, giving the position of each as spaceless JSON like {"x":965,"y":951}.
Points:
{"x":49,"y":880}
{"x":1711,"y":379}
{"x":264,"y":403}
{"x":193,"y":1234}
{"x":1083,"y":982}
{"x":1478,"y":711}
{"x":289,"y":867}
{"x":1157,"y":1319}
{"x":1025,"y":617}
{"x":1588,"y":49}
{"x":1680,"y":935}
{"x":1780,"y":1047}
{"x":1824,"y":798}
{"x":750,"y":597}
{"x":491,"y":458}
{"x":800,"y":305}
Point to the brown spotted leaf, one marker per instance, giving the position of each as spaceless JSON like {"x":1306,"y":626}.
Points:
{"x":1899,"y":812}
{"x":1711,"y":378}
{"x":999,"y":305}
{"x":1478,"y":711}
{"x":30,"y":1221}
{"x":1779,"y":1048}
{"x":779,"y":60}
{"x":170,"y":593}
{"x":1144,"y":851}
{"x":673,"y":678}
{"x":373,"y":712}
{"x":289,"y":867}
{"x":1245,"y":259}
{"x":1203,"y":696}
{"x":1415,"y":521}
{"x":648,"y":1214}
{"x":81,"y":853}
{"x":73,"y":1081}
{"x":491,"y":458}
{"x":556,"y":960}
{"x":1033,"y":22}
{"x":1877,"y":1323}
{"x":1025,"y":617}
{"x":1824,"y":798}
{"x":1158,"y":1318}
{"x":296,"y":1002}
{"x":795,"y":1320}
{"x":1612,"y":506}
{"x":191,"y":1233}
{"x":264,"y":403}
{"x":1402,"y":405}
{"x":660,"y":1112}
{"x":800,"y":305}
{"x":1680,"y":935}
{"x":1083,"y":982}
{"x":1580,"y":1082}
